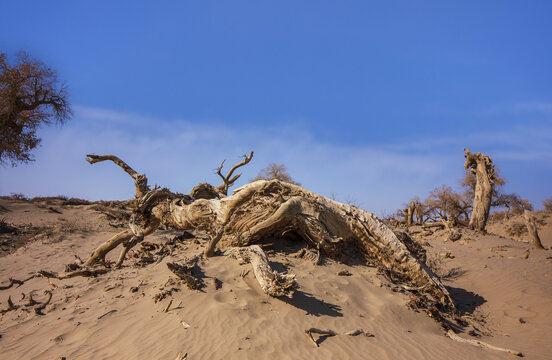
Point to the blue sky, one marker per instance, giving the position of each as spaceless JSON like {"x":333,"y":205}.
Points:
{"x":365,"y":101}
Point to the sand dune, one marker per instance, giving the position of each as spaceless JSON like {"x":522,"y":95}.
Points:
{"x":510,"y":296}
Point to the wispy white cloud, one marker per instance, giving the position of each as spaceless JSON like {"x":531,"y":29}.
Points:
{"x":181,"y":153}
{"x":534,"y":106}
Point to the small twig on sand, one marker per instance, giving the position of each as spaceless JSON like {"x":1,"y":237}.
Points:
{"x":329,"y":332}
{"x":168,"y":306}
{"x":451,"y":334}
{"x":413,"y":288}
{"x":107,"y":313}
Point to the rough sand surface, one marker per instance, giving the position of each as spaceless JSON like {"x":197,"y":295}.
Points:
{"x":238,"y":321}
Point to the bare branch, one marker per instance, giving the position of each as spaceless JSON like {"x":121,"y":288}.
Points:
{"x":228,"y":180}
{"x":140,"y":181}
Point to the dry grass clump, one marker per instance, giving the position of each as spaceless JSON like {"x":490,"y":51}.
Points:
{"x":516,"y":229}
{"x":439,"y":268}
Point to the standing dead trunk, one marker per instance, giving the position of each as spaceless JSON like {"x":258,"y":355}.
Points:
{"x":532,"y":228}
{"x":410,"y":213}
{"x":482,"y":166}
{"x":507,"y":215}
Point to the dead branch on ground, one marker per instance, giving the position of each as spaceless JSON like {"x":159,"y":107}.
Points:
{"x":451,"y":334}
{"x":272,"y":282}
{"x":329,"y":332}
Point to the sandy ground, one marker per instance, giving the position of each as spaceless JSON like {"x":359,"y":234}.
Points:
{"x":233,"y":319}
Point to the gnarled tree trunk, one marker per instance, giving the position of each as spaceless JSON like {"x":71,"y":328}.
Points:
{"x":483,"y":168}
{"x":271,"y":209}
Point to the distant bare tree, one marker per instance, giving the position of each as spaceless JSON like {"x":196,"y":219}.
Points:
{"x":512,"y":202}
{"x":275,"y":171}
{"x":547,"y":204}
{"x":30,"y":96}
{"x":443,"y":202}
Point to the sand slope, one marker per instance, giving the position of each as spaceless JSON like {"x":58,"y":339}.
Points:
{"x":238,"y":321}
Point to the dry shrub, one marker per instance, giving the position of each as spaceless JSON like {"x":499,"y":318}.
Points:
{"x":15,"y":197}
{"x":547,"y":204}
{"x":497,"y":216}
{"x":439,"y":268}
{"x":516,"y":229}
{"x":76,"y":201}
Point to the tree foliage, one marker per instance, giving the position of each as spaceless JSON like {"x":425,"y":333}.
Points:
{"x":30,"y":96}
{"x":275,"y":171}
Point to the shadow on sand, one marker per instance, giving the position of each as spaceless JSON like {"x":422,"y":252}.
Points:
{"x":312,"y":305}
{"x":466,"y":301}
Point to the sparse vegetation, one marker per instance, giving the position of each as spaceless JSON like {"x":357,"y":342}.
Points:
{"x":547,"y":204}
{"x":277,"y":172}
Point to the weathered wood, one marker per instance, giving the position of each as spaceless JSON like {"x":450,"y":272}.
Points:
{"x":141,"y":181}
{"x":272,"y":208}
{"x":228,"y":180}
{"x":329,"y":332}
{"x":451,"y":334}
{"x":532,"y":229}
{"x":272,"y":282}
{"x":482,"y":166}
{"x":454,"y":234}
{"x":84,"y":272}
{"x":410,"y":213}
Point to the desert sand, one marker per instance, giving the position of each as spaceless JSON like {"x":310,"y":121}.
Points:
{"x":115,"y":315}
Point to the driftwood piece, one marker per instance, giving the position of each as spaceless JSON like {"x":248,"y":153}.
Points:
{"x":84,"y":272}
{"x":451,"y":334}
{"x":532,"y":229}
{"x":272,"y":282}
{"x":329,"y":332}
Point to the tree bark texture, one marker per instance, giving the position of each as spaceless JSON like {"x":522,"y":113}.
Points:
{"x":483,"y":168}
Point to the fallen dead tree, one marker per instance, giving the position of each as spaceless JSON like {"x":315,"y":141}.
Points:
{"x":269,"y":209}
